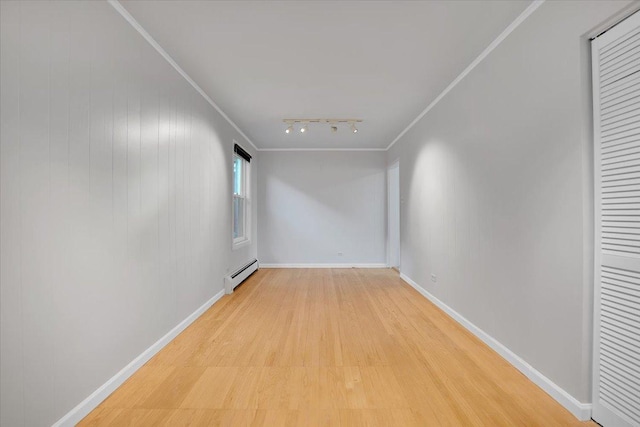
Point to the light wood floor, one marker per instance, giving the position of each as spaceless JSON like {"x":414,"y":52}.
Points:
{"x":349,"y":347}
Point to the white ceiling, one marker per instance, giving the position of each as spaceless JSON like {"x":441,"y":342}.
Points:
{"x":380,"y":61}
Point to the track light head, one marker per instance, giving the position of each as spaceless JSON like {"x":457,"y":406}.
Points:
{"x":333,"y":124}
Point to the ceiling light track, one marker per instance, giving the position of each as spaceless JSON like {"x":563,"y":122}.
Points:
{"x":332,"y":122}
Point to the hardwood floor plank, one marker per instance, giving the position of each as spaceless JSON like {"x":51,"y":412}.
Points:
{"x":174,"y":389}
{"x":327,"y":347}
{"x":132,"y":393}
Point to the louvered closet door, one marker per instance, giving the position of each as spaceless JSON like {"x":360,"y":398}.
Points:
{"x":616,"y":82}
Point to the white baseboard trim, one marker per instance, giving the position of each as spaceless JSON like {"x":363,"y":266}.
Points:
{"x":75,"y":415}
{"x":374,"y":265}
{"x":582,"y":411}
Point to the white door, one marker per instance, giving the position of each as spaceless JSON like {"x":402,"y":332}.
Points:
{"x":393,"y":214}
{"x":616,"y":98}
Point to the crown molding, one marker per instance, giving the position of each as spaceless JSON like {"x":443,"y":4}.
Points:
{"x":519,"y":20}
{"x":322,"y":149}
{"x":135,"y":24}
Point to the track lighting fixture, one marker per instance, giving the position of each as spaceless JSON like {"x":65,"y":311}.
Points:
{"x":332,"y":122}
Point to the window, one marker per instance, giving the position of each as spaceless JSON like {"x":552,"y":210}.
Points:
{"x":241,"y":222}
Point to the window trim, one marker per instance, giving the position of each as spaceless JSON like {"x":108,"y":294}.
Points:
{"x":239,"y":242}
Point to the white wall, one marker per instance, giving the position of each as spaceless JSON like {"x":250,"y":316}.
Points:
{"x":497,"y":194}
{"x":115,"y":203}
{"x":393,"y":215}
{"x":315,"y":204}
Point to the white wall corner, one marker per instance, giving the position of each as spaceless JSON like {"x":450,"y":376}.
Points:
{"x":535,"y":4}
{"x":75,"y":415}
{"x":136,"y":25}
{"x":581,"y":411}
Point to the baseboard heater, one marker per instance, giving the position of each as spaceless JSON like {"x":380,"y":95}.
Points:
{"x":234,"y":279}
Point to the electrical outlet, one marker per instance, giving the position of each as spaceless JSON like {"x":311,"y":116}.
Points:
{"x":434,"y":278}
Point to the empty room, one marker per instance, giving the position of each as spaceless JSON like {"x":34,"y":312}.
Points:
{"x":319,"y":213}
